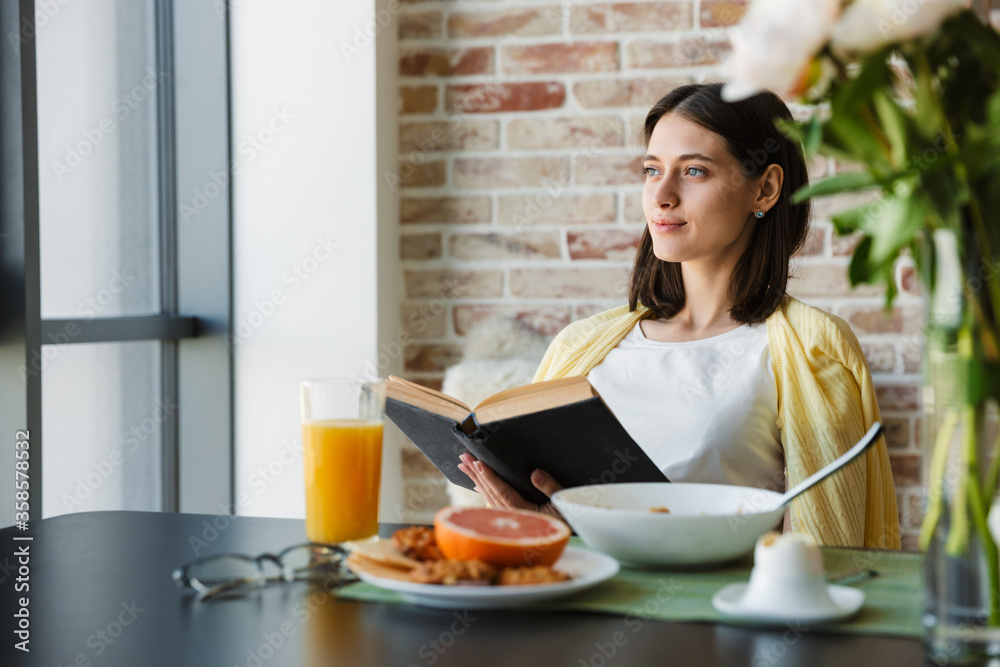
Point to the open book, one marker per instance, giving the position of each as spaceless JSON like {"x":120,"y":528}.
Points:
{"x":561,"y":426}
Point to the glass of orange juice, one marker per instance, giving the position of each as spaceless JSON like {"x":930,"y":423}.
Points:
{"x":342,"y":450}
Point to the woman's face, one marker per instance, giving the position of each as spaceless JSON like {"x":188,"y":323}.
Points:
{"x":698,"y":205}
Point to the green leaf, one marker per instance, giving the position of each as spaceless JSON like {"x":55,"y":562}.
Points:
{"x":814,"y":135}
{"x":857,"y":132}
{"x":860,"y":270}
{"x":874,"y":74}
{"x":900,"y":219}
{"x":852,"y":180}
{"x":893,"y":122}
{"x":851,"y":220}
{"x":925,"y":97}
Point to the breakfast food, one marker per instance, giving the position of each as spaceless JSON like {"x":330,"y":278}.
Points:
{"x":450,"y":572}
{"x":537,"y":574}
{"x":417,"y":542}
{"x":503,"y":537}
{"x":416,"y":554}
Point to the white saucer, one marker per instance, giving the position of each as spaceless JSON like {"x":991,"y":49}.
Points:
{"x":846,"y":602}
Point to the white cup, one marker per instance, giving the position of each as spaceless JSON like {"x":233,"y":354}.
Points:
{"x":787,"y":575}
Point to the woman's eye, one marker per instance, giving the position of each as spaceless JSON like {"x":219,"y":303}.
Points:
{"x":691,"y":170}
{"x":650,"y":171}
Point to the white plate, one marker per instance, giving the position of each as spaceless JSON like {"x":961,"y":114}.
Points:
{"x":588,"y":568}
{"x":847,"y":601}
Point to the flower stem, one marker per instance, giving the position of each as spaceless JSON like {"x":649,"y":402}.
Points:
{"x":935,"y":502}
{"x":976,"y":506}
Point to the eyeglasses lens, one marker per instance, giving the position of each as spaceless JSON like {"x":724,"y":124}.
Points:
{"x":229,"y":572}
{"x":312,"y":562}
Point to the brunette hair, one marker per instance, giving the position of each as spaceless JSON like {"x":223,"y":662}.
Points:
{"x":761,"y":273}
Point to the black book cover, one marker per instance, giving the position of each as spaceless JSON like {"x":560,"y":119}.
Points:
{"x":580,"y":443}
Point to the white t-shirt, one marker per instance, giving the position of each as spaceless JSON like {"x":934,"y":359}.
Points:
{"x":703,"y":411}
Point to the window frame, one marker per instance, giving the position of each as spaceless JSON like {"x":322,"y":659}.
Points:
{"x":193,"y":326}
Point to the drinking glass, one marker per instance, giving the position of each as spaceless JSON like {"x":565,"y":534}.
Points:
{"x":342,"y":449}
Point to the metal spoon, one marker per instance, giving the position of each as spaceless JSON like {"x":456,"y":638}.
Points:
{"x":864,"y":443}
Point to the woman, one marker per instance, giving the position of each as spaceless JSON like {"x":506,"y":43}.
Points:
{"x":712,"y":368}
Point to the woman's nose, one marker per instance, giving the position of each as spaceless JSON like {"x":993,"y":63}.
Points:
{"x":665,"y":195}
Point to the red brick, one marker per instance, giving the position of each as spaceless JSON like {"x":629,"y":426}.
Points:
{"x":418,"y":99}
{"x":615,"y":244}
{"x":521,"y":21}
{"x":608,"y":169}
{"x":423,"y":25}
{"x":432,"y":357}
{"x":618,"y":92}
{"x":817,"y":167}
{"x":911,"y":510}
{"x":494,"y":97}
{"x":874,"y":319}
{"x":906,"y":469}
{"x":446,"y":209}
{"x":562,"y":208}
{"x":843,"y":246}
{"x":913,"y":355}
{"x":815,"y":242}
{"x":826,"y":280}
{"x":425,"y":320}
{"x":633,"y":207}
{"x":447,"y":284}
{"x":560,"y":58}
{"x":446,"y":62}
{"x":842,"y":167}
{"x":881,"y":357}
{"x":909,"y":280}
{"x":719,"y":13}
{"x":509,"y":172}
{"x":631,"y":17}
{"x":425,"y":175}
{"x":594,"y":283}
{"x":897,"y":432}
{"x":686,"y":53}
{"x":448,"y":135}
{"x":898,"y":397}
{"x":502,"y":246}
{"x":420,"y":246}
{"x":548,"y":320}
{"x":578,"y":133}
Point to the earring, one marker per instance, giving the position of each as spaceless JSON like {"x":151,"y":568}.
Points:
{"x":759,"y":214}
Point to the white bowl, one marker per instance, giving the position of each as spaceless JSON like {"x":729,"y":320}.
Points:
{"x":707,"y":523}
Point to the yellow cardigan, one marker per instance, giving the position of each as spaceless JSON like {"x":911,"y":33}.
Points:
{"x":826,"y":402}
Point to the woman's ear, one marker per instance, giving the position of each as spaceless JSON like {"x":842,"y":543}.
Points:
{"x":769,"y":187}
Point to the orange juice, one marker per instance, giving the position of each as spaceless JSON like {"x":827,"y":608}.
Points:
{"x":343,"y":459}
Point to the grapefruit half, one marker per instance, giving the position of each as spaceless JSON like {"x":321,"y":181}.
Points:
{"x":502,"y":537}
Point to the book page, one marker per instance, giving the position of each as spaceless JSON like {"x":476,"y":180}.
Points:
{"x":534,"y":398}
{"x":426,"y":398}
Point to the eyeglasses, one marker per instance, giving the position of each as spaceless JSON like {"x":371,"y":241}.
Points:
{"x":226,"y":575}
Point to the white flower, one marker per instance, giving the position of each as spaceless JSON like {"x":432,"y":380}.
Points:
{"x":868,"y":25}
{"x":774,"y":44}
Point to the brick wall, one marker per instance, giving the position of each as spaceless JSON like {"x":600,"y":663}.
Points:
{"x":520,"y":187}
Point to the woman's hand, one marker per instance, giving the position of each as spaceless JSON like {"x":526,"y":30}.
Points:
{"x":499,"y":493}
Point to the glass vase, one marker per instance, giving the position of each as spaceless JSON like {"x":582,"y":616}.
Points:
{"x":962,"y":610}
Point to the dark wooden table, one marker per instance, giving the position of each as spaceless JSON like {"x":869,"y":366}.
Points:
{"x":101,"y":593}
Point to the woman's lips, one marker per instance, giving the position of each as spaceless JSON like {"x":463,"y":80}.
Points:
{"x":666,"y":225}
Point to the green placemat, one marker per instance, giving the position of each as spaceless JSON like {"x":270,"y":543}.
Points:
{"x":893,"y":600}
